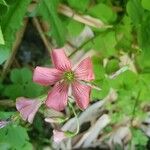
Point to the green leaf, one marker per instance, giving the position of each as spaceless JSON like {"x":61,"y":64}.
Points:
{"x":3,"y":7}
{"x":144,"y":40}
{"x":125,"y":80}
{"x":105,"y":43}
{"x":124,"y":34}
{"x":26,"y":74}
{"x":4,"y":54}
{"x":32,"y":90}
{"x":112,"y":66}
{"x":144,"y":86}
{"x":103,"y":12}
{"x":103,"y":84}
{"x":4,"y":146}
{"x":139,"y":137}
{"x":23,"y":75}
{"x":11,"y":2}
{"x":99,"y":71}
{"x":15,"y":76}
{"x":13,"y":91}
{"x":74,"y":28}
{"x":15,"y":137}
{"x":5,"y":115}
{"x":79,"y":4}
{"x":144,"y":33}
{"x":9,"y":26}
{"x":22,"y":85}
{"x":135,"y":11}
{"x":1,"y":37}
{"x":48,"y":10}
{"x":10,"y":23}
{"x":146,"y":4}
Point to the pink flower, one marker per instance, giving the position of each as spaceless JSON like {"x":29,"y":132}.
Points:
{"x":63,"y":76}
{"x":58,"y":136}
{"x":3,"y":123}
{"x":27,"y":108}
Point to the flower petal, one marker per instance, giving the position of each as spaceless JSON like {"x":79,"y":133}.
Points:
{"x":3,"y":123}
{"x":81,"y":94}
{"x":84,"y":70}
{"x":58,"y":136}
{"x":27,"y":108}
{"x":60,"y":60}
{"x":46,"y":76}
{"x":57,"y":97}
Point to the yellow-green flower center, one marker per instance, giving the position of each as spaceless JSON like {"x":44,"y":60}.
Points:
{"x":69,"y":76}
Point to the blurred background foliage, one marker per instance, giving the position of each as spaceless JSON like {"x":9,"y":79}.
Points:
{"x":120,"y":36}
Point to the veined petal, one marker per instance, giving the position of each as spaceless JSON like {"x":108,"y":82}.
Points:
{"x":60,"y":60}
{"x":84,"y":70}
{"x":81,"y":94}
{"x":27,"y":108}
{"x":46,"y":76}
{"x":57,"y":97}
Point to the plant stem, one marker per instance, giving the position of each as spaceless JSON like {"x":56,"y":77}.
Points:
{"x":77,"y":120}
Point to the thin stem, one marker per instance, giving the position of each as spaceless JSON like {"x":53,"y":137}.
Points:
{"x":78,"y":126}
{"x":47,"y":44}
{"x":80,"y":47}
{"x":85,"y":19}
{"x":15,"y":46}
{"x":92,"y":85}
{"x":7,"y":103}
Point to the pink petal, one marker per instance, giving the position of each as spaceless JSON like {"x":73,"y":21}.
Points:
{"x":84,"y":70}
{"x":57,"y":97}
{"x":46,"y":76}
{"x":27,"y":108}
{"x":3,"y":123}
{"x":60,"y":60}
{"x":58,"y":136}
{"x":81,"y":94}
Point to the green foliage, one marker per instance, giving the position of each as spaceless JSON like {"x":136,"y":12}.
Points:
{"x":22,"y":85}
{"x":100,"y":80}
{"x":124,"y":34}
{"x":144,"y":34}
{"x":139,"y":138}
{"x":146,"y":4}
{"x":129,"y":34}
{"x":74,"y":28}
{"x":1,"y":37}
{"x":3,"y":7}
{"x":105,"y":43}
{"x":141,"y":20}
{"x":10,"y":23}
{"x":103,"y":84}
{"x":135,"y":11}
{"x":4,"y":55}
{"x":112,"y":66}
{"x":103,"y":12}
{"x":80,"y":5}
{"x":48,"y":10}
{"x":14,"y":137}
{"x":5,"y":115}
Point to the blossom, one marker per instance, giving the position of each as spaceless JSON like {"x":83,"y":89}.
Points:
{"x":27,"y":108}
{"x":58,"y":136}
{"x":64,"y":77}
{"x":3,"y":123}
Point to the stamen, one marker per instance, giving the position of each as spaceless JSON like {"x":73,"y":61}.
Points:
{"x":69,"y":76}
